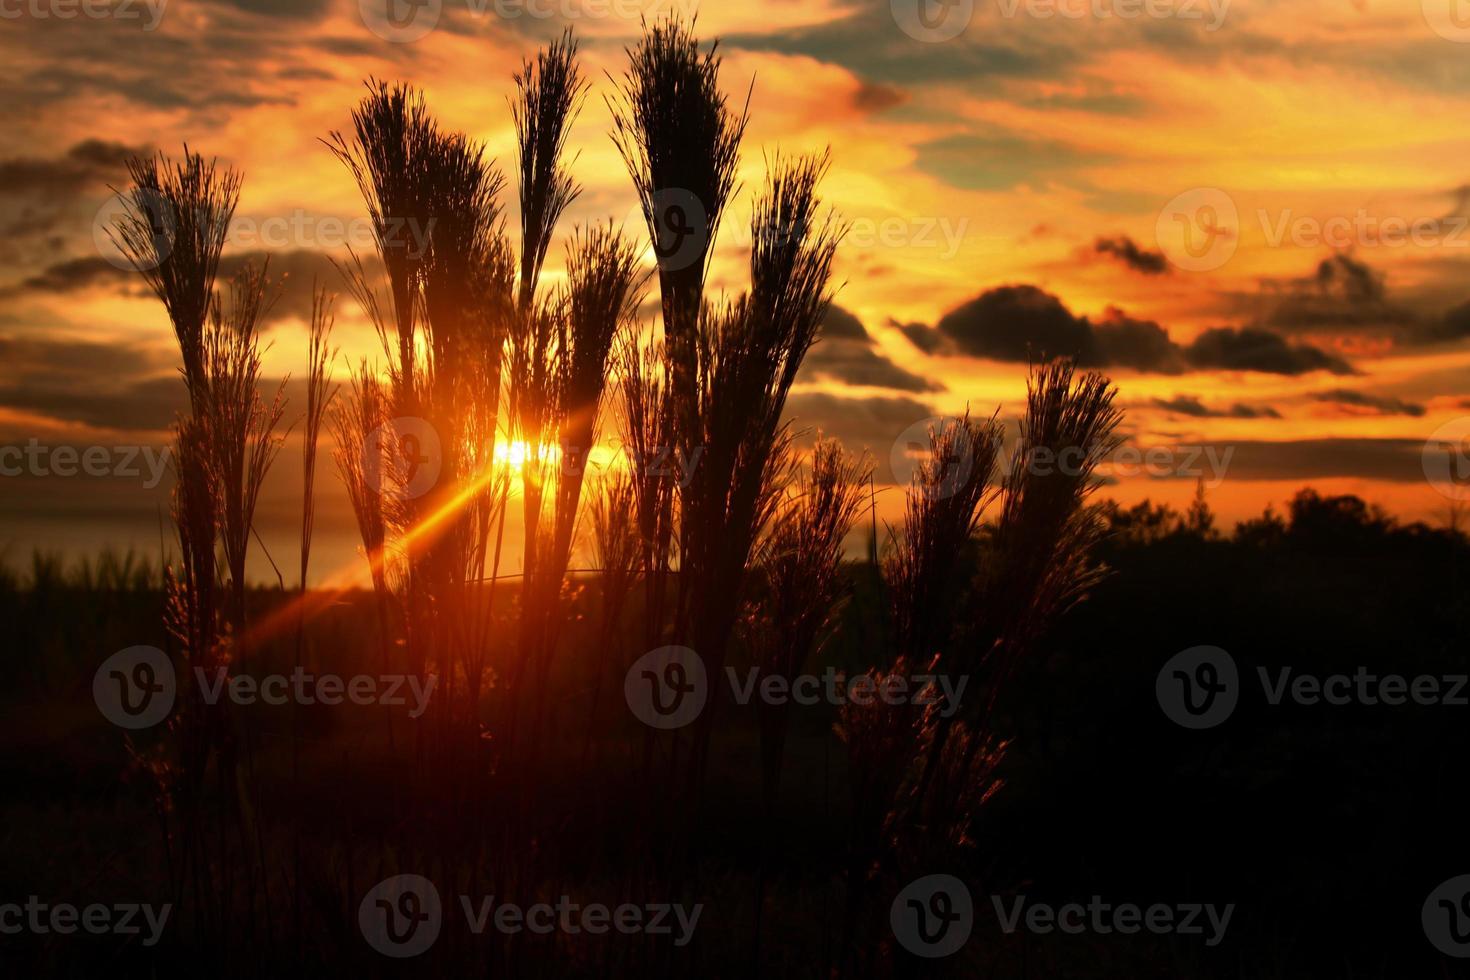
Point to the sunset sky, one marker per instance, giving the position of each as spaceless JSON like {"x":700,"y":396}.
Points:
{"x":1255,"y":216}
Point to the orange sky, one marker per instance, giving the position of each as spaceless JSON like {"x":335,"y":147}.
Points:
{"x":1315,"y":147}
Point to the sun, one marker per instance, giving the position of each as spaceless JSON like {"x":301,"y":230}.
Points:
{"x":517,"y":452}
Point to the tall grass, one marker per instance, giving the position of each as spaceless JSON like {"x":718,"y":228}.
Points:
{"x":714,"y":535}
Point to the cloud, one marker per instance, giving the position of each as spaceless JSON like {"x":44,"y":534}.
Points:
{"x":1252,"y":349}
{"x":859,"y":423}
{"x":845,"y":354}
{"x":1345,"y":295}
{"x":839,"y":324}
{"x":47,"y":200}
{"x":1128,"y":252}
{"x":1342,"y":293}
{"x":1394,"y":460}
{"x":921,"y":335}
{"x":1194,"y":408}
{"x":876,"y":97}
{"x":293,"y":274}
{"x":106,"y":385}
{"x":1018,"y":323}
{"x":33,"y":360}
{"x":90,"y":163}
{"x":77,"y":274}
{"x":1139,"y":344}
{"x":1376,"y":404}
{"x":1026,"y":323}
{"x":148,"y":406}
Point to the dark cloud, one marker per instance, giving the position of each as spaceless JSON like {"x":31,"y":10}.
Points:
{"x":1350,"y":278}
{"x":45,"y":201}
{"x":36,"y":360}
{"x":1018,"y":323}
{"x":1025,"y":323}
{"x":108,"y":385}
{"x":1454,"y":325}
{"x":1128,"y":252}
{"x":859,"y":423}
{"x":141,"y":406}
{"x":1252,"y":349}
{"x":75,"y":275}
{"x":1345,"y":295}
{"x":867,"y":42}
{"x":1342,"y":293}
{"x":839,"y":324}
{"x":1194,"y":408}
{"x":921,"y":335}
{"x":857,"y":364}
{"x":1142,"y":345}
{"x":876,"y":97}
{"x":1396,"y":460}
{"x":997,"y":159}
{"x":293,"y":274}
{"x":297,"y":10}
{"x":1377,"y":404}
{"x":90,"y":163}
{"x":845,"y":354}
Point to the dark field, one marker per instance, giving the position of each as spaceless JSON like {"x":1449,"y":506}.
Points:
{"x":1326,"y":826}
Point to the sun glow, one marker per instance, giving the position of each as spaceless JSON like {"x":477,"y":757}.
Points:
{"x":517,"y":452}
